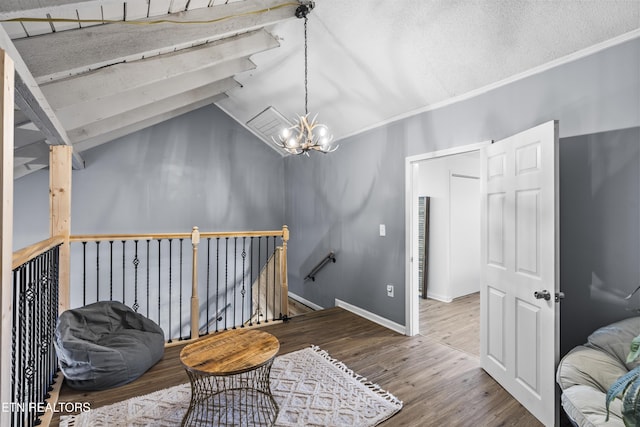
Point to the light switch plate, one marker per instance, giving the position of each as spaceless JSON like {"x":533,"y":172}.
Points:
{"x":383,"y":230}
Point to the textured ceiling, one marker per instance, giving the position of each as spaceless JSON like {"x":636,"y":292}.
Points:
{"x":373,"y":60}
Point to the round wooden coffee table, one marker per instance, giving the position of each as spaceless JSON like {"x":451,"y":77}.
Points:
{"x":229,"y":374}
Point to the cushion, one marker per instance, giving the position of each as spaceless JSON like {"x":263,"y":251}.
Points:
{"x":589,"y":366}
{"x":105,"y":345}
{"x":615,"y":339}
{"x":586,"y":406}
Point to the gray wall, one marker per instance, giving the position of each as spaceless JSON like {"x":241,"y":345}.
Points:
{"x":599,"y":230}
{"x":198,"y":169}
{"x":337,"y":201}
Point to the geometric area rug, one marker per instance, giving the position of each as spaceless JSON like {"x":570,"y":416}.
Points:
{"x":310,"y":387}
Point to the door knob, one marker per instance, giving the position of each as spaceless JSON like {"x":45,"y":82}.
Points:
{"x":545,"y":295}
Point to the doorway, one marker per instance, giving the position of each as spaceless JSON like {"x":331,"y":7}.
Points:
{"x":451,"y":273}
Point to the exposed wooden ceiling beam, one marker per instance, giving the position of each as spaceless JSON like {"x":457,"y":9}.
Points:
{"x":84,"y":114}
{"x":24,"y":5}
{"x":23,"y":137}
{"x":146,"y":112}
{"x":123,"y":77}
{"x":134,"y":127}
{"x":59,"y":55}
{"x":31,"y":152}
{"x":96,"y":9}
{"x":21,"y":170}
{"x":33,"y":103}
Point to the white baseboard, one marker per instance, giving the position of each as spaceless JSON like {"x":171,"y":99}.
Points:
{"x":305,"y":301}
{"x":372,"y":316}
{"x":437,"y":297}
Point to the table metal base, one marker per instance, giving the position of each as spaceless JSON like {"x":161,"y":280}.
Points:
{"x":242,"y":399}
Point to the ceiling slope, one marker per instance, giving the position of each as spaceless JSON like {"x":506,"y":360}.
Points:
{"x":103,"y":82}
{"x":32,"y":111}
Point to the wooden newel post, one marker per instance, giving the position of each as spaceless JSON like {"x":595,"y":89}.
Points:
{"x":60,"y":214}
{"x":195,"y":301}
{"x":283,"y":272}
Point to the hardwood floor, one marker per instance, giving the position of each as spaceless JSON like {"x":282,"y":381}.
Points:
{"x":439,"y":385}
{"x":455,"y":323}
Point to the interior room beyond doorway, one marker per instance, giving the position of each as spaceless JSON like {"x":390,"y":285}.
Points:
{"x":446,"y":195}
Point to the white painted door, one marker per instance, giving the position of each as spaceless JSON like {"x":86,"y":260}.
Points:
{"x":519,"y":332}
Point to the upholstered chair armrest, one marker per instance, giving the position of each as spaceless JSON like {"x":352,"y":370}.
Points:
{"x":589,"y":366}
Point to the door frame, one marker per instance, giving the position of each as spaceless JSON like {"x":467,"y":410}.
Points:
{"x":412,"y":311}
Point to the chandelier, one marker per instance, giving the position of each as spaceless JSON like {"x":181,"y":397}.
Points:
{"x":305,"y":135}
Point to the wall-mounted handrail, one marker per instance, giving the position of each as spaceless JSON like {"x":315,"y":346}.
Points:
{"x":331,"y":256}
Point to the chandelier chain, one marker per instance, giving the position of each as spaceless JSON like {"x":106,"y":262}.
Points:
{"x":306,"y":91}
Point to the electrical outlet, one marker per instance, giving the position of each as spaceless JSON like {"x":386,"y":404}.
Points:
{"x":390,"y":291}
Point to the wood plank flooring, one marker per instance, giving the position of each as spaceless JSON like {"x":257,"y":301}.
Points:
{"x":439,"y":385}
{"x":455,"y":323}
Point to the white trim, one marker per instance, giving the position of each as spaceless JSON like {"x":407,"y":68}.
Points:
{"x":448,"y":151}
{"x":305,"y":301}
{"x":520,"y":76}
{"x":412,"y":312}
{"x":441,"y":298}
{"x":396,"y":327}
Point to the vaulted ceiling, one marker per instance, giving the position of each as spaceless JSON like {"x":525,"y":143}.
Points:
{"x":90,"y":71}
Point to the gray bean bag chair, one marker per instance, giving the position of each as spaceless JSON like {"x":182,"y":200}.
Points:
{"x":106,"y":344}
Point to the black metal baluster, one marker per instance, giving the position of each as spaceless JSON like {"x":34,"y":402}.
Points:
{"x":14,"y":339}
{"x":266,"y":280}
{"x":208,"y":320}
{"x":20,"y":398}
{"x":110,"y":270}
{"x":275,"y":293}
{"x":259,"y":296}
{"x":226,"y":276}
{"x":124,"y":263}
{"x":84,"y":273}
{"x":217,"y":280}
{"x":136,"y":262}
{"x":235,"y":275}
{"x":46,"y":333}
{"x":180,"y":304}
{"x":30,"y":368}
{"x":147,"y":301}
{"x":38,"y":347}
{"x":244,"y":273}
{"x":40,"y":330}
{"x":251,"y":280}
{"x":54,"y":302}
{"x":97,"y":270}
{"x":170,"y":283}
